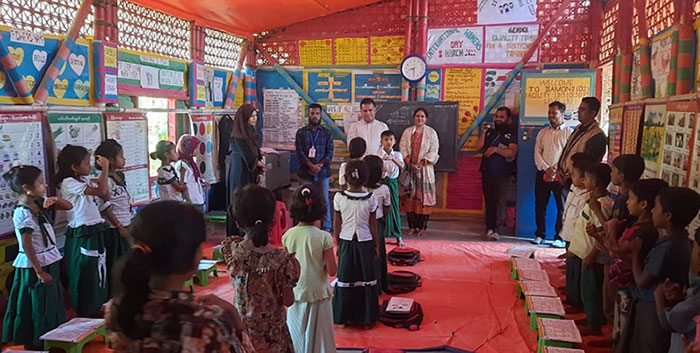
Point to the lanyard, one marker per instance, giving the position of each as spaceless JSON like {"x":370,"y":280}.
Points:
{"x":315,"y":137}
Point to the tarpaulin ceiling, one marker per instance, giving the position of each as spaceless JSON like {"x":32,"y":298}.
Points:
{"x":245,"y":17}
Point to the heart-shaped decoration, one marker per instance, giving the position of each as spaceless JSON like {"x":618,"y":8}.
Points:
{"x":17,"y":54}
{"x":77,"y":63}
{"x":2,"y":79}
{"x":60,"y":87}
{"x":30,"y":81}
{"x":81,"y":88}
{"x":39,"y":59}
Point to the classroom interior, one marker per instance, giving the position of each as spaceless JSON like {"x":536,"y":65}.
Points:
{"x":140,"y":71}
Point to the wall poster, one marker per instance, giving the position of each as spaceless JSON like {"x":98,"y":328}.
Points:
{"x":653,"y":135}
{"x":131,"y":131}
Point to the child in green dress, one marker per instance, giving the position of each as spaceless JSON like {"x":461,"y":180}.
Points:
{"x":393,"y":164}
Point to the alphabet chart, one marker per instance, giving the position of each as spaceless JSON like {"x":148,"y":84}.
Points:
{"x":131,"y":131}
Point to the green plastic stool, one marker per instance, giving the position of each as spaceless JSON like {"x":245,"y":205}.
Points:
{"x":204,"y":269}
{"x":189,"y":284}
{"x":77,"y":347}
{"x":218,"y":217}
{"x":216,"y":253}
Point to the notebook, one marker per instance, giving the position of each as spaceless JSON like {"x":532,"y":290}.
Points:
{"x":399,"y":305}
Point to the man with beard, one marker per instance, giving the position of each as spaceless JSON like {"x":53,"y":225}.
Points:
{"x":314,"y":147}
{"x":368,"y":128}
{"x":499,"y":147}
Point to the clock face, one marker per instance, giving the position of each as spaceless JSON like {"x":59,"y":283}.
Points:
{"x":413,"y":68}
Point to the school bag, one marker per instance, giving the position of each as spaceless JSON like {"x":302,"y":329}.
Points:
{"x":402,"y":282}
{"x":410,"y":320}
{"x":403,"y":256}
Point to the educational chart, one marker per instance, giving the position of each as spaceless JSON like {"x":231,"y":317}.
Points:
{"x":694,"y":177}
{"x":387,"y":50}
{"x":493,"y":79}
{"x":652,"y":138}
{"x":464,"y":86}
{"x":680,"y":123}
{"x":352,"y":51}
{"x":143,"y":74}
{"x":281,"y":118}
{"x":631,"y":128}
{"x":204,"y":128}
{"x":661,"y":62}
{"x":615,"y":132}
{"x":636,"y":78}
{"x":329,"y":86}
{"x":380,"y":86}
{"x":506,"y":11}
{"x":80,"y":129}
{"x":508,"y":44}
{"x":317,"y":52}
{"x":433,"y":85}
{"x":21,"y":143}
{"x":131,"y":131}
{"x":455,"y":45}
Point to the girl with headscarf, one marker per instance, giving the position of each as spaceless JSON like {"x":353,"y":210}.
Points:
{"x":187,"y":146}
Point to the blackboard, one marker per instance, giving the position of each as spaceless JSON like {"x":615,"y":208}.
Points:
{"x":442,"y":116}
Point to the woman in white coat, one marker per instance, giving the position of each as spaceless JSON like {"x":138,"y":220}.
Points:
{"x":420,"y":145}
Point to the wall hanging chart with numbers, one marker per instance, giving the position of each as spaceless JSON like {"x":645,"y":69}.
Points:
{"x":131,"y":131}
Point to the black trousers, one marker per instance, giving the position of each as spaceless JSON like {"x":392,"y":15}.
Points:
{"x":542,"y":191}
{"x":494,"y":188}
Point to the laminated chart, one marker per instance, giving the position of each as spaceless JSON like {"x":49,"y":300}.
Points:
{"x":281,"y":118}
{"x":351,"y":51}
{"x":464,"y":86}
{"x":131,"y":131}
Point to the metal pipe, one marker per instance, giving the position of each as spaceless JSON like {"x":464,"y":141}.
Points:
{"x":405,"y":85}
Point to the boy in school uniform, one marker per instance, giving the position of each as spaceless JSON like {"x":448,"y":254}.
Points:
{"x":393,"y":164}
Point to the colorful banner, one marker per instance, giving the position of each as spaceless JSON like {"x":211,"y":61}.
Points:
{"x":508,"y":44}
{"x":433,"y":85}
{"x":352,"y":51}
{"x":281,"y":118}
{"x":317,"y":52}
{"x":464,"y":86}
{"x":329,"y":86}
{"x":387,"y":50}
{"x":615,"y":132}
{"x":150,"y":74}
{"x":506,"y":11}
{"x":631,"y":128}
{"x":653,"y":134}
{"x":455,"y":46}
{"x":33,"y":53}
{"x":131,"y":131}
{"x":661,"y":62}
{"x":378,"y":85}
{"x":204,"y":128}
{"x":540,"y":89}
{"x":680,"y":123}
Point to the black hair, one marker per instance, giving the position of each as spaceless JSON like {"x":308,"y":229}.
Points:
{"x":308,"y":204}
{"x":168,"y":235}
{"x":505,"y":109}
{"x":682,"y":203}
{"x":601,"y":172}
{"x":561,"y":107}
{"x":367,"y":101}
{"x":357,"y":147}
{"x":356,"y":173}
{"x":697,"y":237}
{"x":69,"y":156}
{"x":375,"y":166}
{"x":581,"y":161}
{"x":425,"y":112}
{"x":109,"y":149}
{"x":162,"y":147}
{"x":316,"y":106}
{"x":21,"y":175}
{"x":253,"y":209}
{"x":387,"y":133}
{"x":593,"y":104}
{"x":631,"y":166}
{"x":647,"y":189}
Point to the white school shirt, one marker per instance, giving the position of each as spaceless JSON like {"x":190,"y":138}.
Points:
{"x":371,"y":133}
{"x":575,"y":201}
{"x":121,"y":202}
{"x":582,"y":244}
{"x":166,"y":177}
{"x":355,"y":213}
{"x":25,"y":220}
{"x":549,"y":146}
{"x":390,"y":169}
{"x":86,"y":208}
{"x":194,"y":188}
{"x":383,"y":196}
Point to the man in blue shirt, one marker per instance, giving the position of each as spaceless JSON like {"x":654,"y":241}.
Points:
{"x":314,"y":145}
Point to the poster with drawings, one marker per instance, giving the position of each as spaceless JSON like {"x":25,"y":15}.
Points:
{"x":21,"y":143}
{"x":131,"y":131}
{"x":680,"y":123}
{"x":661,"y":62}
{"x":694,"y":179}
{"x":653,"y":136}
{"x":204,"y":128}
{"x":636,"y":78}
{"x":79,"y":129}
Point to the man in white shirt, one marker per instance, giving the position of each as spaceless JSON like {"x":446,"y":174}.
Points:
{"x":368,"y":128}
{"x":549,"y":146}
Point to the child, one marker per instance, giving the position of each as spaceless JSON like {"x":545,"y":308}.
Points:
{"x":170,"y":187}
{"x":393,"y":164}
{"x":575,"y":201}
{"x":262,"y":275}
{"x":84,"y":251}
{"x":310,"y":318}
{"x":357,"y":149}
{"x":119,"y":215}
{"x":673,"y":210}
{"x":383,"y":195}
{"x":596,"y":212}
{"x":153,"y":314}
{"x":189,"y":172}
{"x":35,"y":305}
{"x":356,"y":296}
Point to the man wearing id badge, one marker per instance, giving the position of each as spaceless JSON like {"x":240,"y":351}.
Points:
{"x":314,"y":148}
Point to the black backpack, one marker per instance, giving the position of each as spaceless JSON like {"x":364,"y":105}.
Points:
{"x":403,"y":256}
{"x":402,"y":282}
{"x":410,"y":320}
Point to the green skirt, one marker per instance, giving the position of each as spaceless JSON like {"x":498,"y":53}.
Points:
{"x":33,"y":308}
{"x":356,"y":295}
{"x":381,"y":259}
{"x":86,"y":264}
{"x":393,"y":219}
{"x":116,"y":246}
